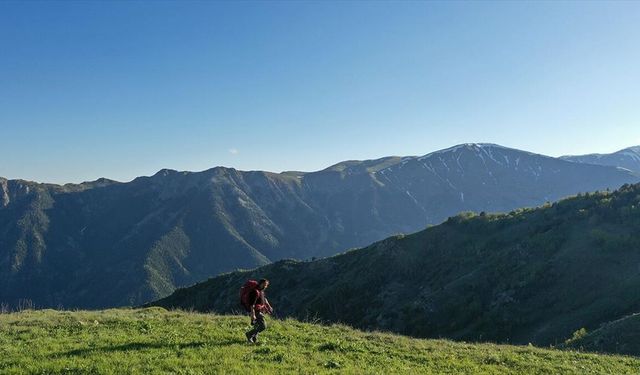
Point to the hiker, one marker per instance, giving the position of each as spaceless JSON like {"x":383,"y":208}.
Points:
{"x":253,"y":299}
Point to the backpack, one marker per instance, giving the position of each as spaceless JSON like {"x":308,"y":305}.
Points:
{"x":247,"y":293}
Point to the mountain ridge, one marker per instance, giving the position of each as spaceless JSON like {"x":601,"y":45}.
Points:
{"x":64,"y":244}
{"x":628,"y":158}
{"x":344,"y":164}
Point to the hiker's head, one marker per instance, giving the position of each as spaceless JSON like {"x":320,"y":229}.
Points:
{"x":263,"y":284}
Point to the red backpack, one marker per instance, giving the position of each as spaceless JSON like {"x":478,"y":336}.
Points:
{"x":247,"y":295}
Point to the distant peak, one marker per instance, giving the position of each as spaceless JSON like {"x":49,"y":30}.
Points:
{"x":165,"y":172}
{"x":471,"y":146}
{"x":482,"y":145}
{"x":491,"y":145}
{"x":99,"y":181}
{"x":634,"y":149}
{"x":372,"y":165}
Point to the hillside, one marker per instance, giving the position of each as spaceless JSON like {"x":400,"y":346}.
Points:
{"x":532,"y":275}
{"x":619,"y":336}
{"x":159,"y":342}
{"x":105,"y":243}
{"x":629,"y":158}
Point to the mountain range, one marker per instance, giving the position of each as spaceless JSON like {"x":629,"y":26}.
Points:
{"x":543,"y":276}
{"x":628,"y":158}
{"x":106,"y":243}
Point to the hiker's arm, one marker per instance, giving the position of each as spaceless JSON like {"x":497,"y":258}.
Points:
{"x":268,"y":304}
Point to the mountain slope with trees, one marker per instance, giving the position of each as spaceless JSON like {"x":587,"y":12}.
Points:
{"x":531,"y":275}
{"x":619,"y":336}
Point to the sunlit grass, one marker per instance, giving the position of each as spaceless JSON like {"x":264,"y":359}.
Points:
{"x":156,"y":341}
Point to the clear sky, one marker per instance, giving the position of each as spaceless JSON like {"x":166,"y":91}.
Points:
{"x":122,"y":89}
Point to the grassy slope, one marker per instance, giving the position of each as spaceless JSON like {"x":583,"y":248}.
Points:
{"x":156,"y":341}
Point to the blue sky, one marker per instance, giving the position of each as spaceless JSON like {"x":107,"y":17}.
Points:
{"x":122,"y":89}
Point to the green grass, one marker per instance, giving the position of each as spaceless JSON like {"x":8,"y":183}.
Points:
{"x":153,"y":340}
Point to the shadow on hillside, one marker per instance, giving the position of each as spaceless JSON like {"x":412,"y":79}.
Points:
{"x":134,"y":346}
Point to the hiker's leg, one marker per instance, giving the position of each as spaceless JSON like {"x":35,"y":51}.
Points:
{"x":261,"y":324}
{"x":258,"y":326}
{"x":253,"y":332}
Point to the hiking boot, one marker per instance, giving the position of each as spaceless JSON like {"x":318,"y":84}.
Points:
{"x":250,"y":338}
